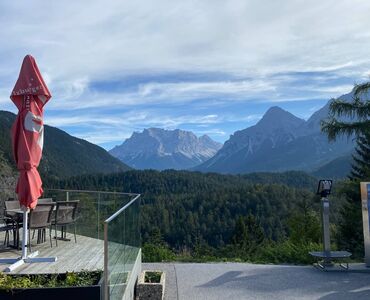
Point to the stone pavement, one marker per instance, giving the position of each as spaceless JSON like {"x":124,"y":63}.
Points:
{"x":190,"y":281}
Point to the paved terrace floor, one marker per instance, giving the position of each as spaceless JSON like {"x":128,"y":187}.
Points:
{"x":249,"y":281}
{"x":86,"y":254}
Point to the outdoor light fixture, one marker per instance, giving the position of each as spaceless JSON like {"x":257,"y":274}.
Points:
{"x":324,"y":187}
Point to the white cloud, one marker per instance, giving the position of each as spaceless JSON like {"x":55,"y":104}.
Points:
{"x":101,"y":40}
{"x":211,"y":132}
{"x":257,"y":45}
{"x":199,"y":89}
{"x":334,"y":90}
{"x":144,"y":119}
{"x":106,"y":136}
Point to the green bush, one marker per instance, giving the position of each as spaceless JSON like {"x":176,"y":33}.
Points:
{"x":157,"y":253}
{"x":287,"y":252}
{"x":83,"y":278}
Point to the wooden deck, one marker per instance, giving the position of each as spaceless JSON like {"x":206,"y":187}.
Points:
{"x":86,"y":254}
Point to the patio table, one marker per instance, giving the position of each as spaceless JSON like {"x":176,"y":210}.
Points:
{"x":16,"y":241}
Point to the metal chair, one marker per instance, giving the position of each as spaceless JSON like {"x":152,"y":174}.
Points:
{"x":8,"y":224}
{"x":44,"y":200}
{"x":9,"y":205}
{"x":40,"y":218}
{"x":41,"y":201}
{"x":65,"y":214}
{"x":13,"y":218}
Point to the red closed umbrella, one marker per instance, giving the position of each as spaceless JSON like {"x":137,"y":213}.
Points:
{"x":30,"y":94}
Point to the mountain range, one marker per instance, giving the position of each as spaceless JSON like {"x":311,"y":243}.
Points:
{"x":63,"y":154}
{"x":161,"y":149}
{"x":280,"y":141}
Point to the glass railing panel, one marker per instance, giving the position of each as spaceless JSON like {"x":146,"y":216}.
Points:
{"x":93,"y":208}
{"x":122,"y":236}
{"x":123,"y":243}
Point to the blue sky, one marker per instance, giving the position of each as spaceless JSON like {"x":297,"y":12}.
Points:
{"x":212,"y":67}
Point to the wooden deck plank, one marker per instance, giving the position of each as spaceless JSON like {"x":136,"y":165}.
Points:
{"x":91,"y":247}
{"x":86,"y":254}
{"x":96,"y":262}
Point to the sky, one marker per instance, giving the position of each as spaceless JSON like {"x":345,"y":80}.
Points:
{"x":212,"y":67}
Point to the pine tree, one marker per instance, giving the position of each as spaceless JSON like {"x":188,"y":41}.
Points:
{"x":358,"y":111}
{"x":350,"y":225}
{"x":240,"y":235}
{"x":248,"y":236}
{"x":361,"y":168}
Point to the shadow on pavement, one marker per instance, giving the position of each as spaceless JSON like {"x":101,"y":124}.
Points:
{"x":306,"y":281}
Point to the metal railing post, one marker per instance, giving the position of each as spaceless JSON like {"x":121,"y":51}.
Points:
{"x":98,"y":221}
{"x":326,"y":229}
{"x":106,"y":285}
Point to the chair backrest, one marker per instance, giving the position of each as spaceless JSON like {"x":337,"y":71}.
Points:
{"x":66,"y":212}
{"x":45,"y":200}
{"x":40,"y":217}
{"x":12,"y":204}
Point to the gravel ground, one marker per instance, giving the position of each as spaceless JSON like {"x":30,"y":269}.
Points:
{"x":189,"y":281}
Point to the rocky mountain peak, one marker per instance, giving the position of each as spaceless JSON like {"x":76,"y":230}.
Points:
{"x":279,"y":141}
{"x":163,"y":149}
{"x":276,"y":117}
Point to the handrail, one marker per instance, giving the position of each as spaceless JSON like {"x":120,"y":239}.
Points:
{"x":121,"y":209}
{"x":89,"y":191}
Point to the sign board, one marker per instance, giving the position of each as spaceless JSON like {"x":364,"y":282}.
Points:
{"x":365,"y":203}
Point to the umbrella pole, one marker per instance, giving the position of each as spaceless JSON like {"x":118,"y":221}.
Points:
{"x":25,"y":258}
{"x":17,"y":262}
{"x":25,"y":233}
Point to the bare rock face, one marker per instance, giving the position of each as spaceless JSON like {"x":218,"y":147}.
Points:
{"x":160,"y":149}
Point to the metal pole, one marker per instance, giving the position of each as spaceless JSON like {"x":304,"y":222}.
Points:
{"x":326,"y":229}
{"x":67,"y":196}
{"x":98,"y":221}
{"x":25,"y":232}
{"x":106,"y":277}
{"x":365,"y":201}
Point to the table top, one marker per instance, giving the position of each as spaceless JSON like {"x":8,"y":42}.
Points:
{"x":20,"y":211}
{"x":15,"y":210}
{"x":331,"y":254}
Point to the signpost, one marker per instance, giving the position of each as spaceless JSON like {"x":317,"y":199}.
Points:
{"x":365,"y":201}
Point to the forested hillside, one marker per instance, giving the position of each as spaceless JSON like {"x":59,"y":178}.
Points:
{"x":186,"y":209}
{"x":63,"y":155}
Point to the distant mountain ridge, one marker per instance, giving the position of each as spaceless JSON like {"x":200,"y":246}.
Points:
{"x":160,"y":149}
{"x":280,"y":142}
{"x":63,"y":154}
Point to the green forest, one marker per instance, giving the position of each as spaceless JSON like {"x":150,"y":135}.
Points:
{"x":262,"y":217}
